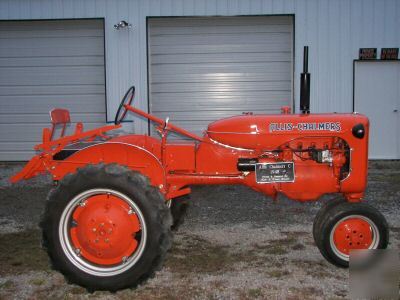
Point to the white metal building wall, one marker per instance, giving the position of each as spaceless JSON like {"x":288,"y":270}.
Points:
{"x":205,"y":68}
{"x":334,"y":30}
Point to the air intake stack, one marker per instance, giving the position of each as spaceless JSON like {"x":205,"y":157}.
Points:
{"x":305,"y":79}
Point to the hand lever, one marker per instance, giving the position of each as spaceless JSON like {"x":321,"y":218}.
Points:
{"x":166,"y":122}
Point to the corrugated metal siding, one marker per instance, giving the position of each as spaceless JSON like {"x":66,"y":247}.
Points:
{"x":47,"y":64}
{"x":334,"y":30}
{"x":204,"y":69}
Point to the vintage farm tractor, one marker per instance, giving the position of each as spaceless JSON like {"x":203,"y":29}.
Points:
{"x":107,"y":222}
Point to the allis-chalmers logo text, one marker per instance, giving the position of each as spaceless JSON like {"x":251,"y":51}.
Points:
{"x":323,"y":126}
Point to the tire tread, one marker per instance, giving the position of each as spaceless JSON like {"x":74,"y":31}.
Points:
{"x":126,"y":177}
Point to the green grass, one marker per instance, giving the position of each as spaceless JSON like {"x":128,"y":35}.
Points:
{"x":21,"y":252}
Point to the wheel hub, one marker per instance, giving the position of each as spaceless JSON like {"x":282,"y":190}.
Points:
{"x":104,"y":230}
{"x":353,"y":233}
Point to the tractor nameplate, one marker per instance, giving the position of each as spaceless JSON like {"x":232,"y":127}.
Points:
{"x":275,"y":172}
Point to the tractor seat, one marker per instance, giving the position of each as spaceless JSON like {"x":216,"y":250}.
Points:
{"x":59,"y":116}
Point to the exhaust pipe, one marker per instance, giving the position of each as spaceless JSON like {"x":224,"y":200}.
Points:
{"x":305,"y":79}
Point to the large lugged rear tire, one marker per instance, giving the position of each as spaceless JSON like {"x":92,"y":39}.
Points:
{"x":346,"y":226}
{"x":106,"y":228}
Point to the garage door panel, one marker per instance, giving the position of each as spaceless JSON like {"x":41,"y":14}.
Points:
{"x":45,"y":33}
{"x":16,"y":155}
{"x":228,"y":87}
{"x":33,"y":132}
{"x":66,"y":50}
{"x":16,"y":146}
{"x":218,"y":58}
{"x":211,"y":115}
{"x":239,"y":67}
{"x":94,"y":60}
{"x":226,"y":100}
{"x":175,"y":99}
{"x":203,"y":69}
{"x":56,"y":91}
{"x":225,"y":39}
{"x":52,"y":75}
{"x":37,"y":118}
{"x":220,"y":21}
{"x":238,"y":48}
{"x":221,"y":29}
{"x":221,"y":77}
{"x":43,"y":103}
{"x":43,"y":65}
{"x":229,"y":107}
{"x":54,"y":25}
{"x":48,"y":44}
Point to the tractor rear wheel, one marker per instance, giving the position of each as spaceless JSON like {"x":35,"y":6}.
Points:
{"x":347,"y":226}
{"x":106,"y":228}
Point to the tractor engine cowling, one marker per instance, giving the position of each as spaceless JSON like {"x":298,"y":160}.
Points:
{"x":333,"y":152}
{"x":328,"y":152}
{"x":318,"y":167}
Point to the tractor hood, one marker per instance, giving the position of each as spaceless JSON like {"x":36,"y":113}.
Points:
{"x":271,"y":131}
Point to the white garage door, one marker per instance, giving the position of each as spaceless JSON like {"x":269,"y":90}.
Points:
{"x":203,"y":69}
{"x":377,"y":95}
{"x":47,"y":64}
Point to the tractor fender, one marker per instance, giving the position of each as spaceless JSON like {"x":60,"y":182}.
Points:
{"x":132,"y":156}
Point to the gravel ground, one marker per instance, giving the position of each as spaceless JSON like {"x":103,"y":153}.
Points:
{"x":234,"y":244}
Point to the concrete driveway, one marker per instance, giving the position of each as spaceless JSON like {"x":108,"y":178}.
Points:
{"x":234,"y":244}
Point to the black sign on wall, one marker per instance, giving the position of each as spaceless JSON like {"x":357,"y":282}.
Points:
{"x":389,"y":53}
{"x":367,"y":53}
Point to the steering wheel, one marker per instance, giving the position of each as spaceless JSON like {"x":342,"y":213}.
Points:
{"x":126,"y":100}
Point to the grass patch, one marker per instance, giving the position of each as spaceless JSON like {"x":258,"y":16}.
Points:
{"x":390,"y":178}
{"x":188,"y":290}
{"x":276,"y":250}
{"x":278,"y":273}
{"x":306,"y":292}
{"x":277,"y":247}
{"x":195,"y":254}
{"x":254,"y":293}
{"x":21,"y":252}
{"x":315,"y":269}
{"x":37,"y":281}
{"x":7,"y":285}
{"x":298,"y":246}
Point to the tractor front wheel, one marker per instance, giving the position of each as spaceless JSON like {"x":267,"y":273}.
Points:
{"x":348,"y":226}
{"x":106,"y":228}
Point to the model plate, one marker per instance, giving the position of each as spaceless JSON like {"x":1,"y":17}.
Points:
{"x":275,"y":172}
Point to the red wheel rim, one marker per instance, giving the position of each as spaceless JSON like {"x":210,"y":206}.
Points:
{"x":352,"y":233}
{"x":104,"y":230}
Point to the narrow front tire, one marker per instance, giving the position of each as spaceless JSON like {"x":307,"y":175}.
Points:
{"x":349,"y":226}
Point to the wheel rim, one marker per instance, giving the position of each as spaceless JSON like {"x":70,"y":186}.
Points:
{"x":353,"y":232}
{"x":102,"y":232}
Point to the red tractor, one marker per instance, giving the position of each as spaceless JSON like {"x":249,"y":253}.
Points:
{"x":107,"y":222}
